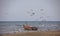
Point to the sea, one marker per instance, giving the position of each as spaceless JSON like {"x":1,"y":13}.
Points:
{"x":17,"y":26}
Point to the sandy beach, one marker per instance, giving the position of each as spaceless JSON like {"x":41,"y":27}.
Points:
{"x":44,"y":33}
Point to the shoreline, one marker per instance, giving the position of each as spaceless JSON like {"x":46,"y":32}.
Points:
{"x":42,"y":33}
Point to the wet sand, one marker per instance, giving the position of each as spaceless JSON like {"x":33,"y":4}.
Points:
{"x":45,"y":33}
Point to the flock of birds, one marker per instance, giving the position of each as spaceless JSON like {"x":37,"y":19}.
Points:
{"x":33,"y":12}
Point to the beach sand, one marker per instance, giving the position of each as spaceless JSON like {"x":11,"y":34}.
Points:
{"x":44,"y":33}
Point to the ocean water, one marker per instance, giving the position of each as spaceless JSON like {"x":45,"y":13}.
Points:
{"x":16,"y":26}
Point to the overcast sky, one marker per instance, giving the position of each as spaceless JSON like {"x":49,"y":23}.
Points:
{"x":21,"y":10}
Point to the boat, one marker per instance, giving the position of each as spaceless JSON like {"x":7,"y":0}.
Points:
{"x":27,"y":27}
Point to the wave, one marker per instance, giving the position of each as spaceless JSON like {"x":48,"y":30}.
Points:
{"x":12,"y":27}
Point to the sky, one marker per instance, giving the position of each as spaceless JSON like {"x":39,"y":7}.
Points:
{"x":22,"y":10}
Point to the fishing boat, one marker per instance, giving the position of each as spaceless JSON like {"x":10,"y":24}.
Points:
{"x":27,"y":27}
